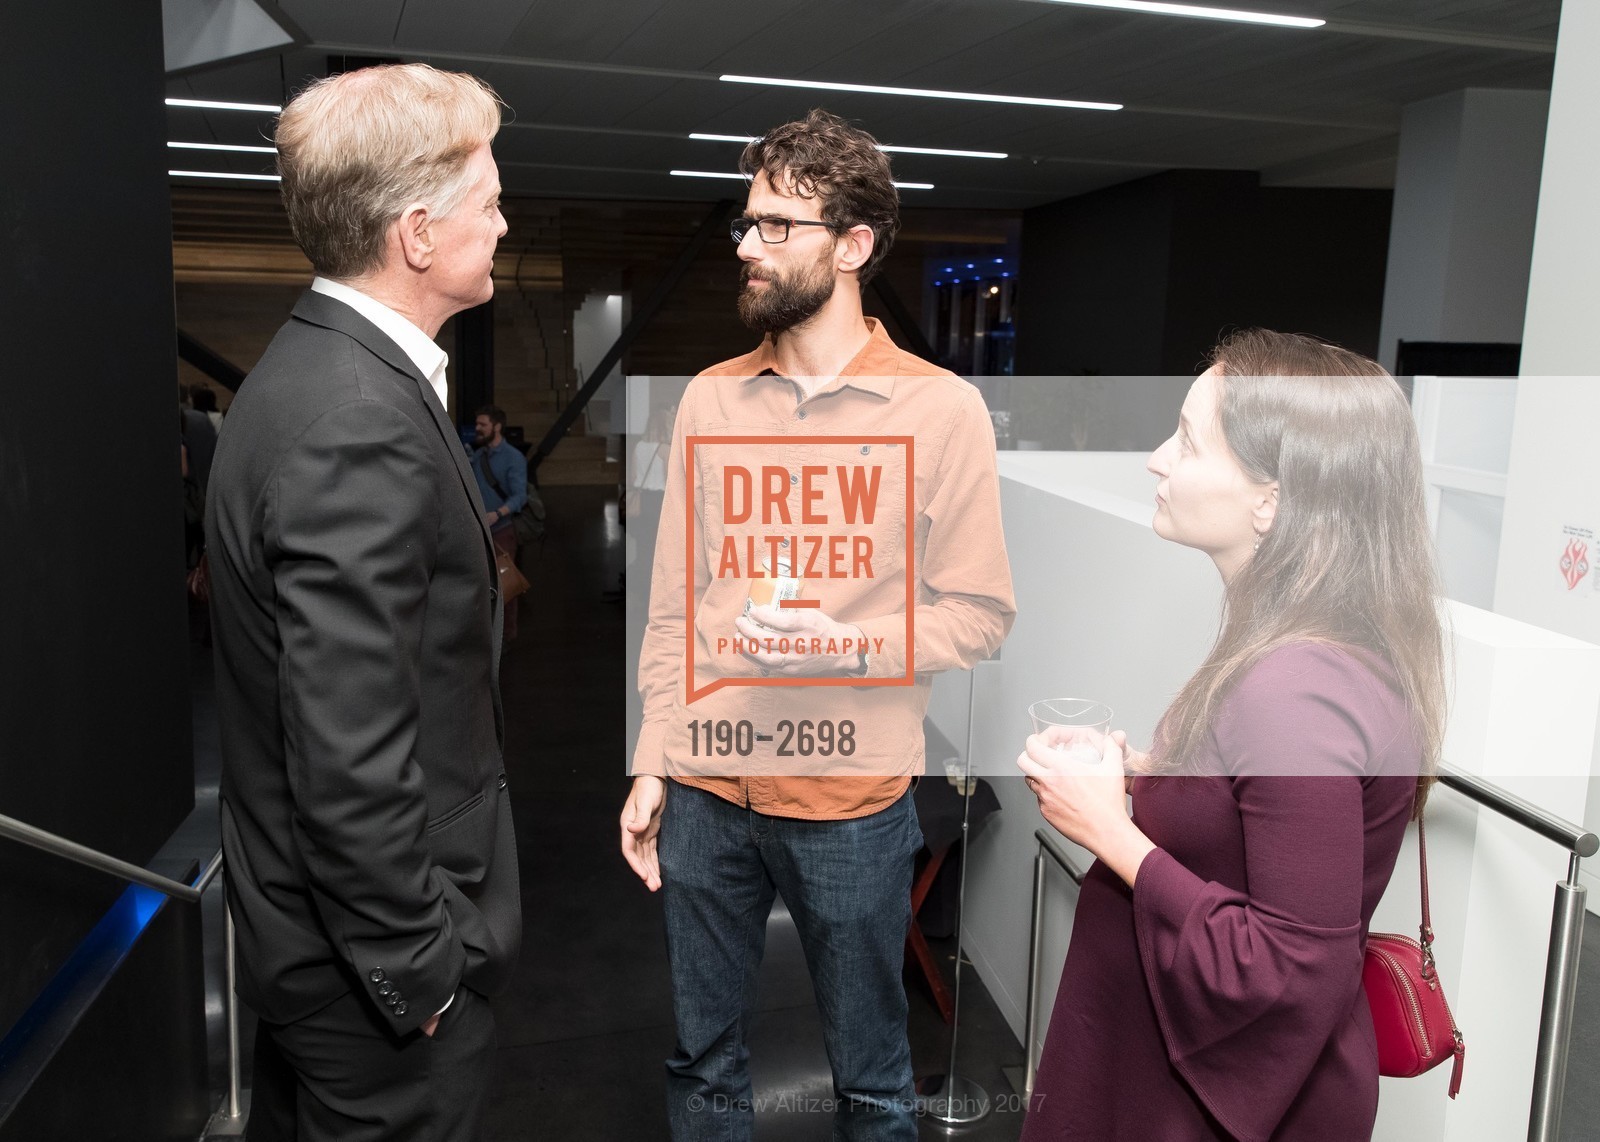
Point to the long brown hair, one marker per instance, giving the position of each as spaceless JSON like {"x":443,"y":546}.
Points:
{"x":1349,"y":557}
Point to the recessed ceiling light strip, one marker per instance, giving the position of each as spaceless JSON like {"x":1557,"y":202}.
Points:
{"x":741,"y":178}
{"x":706,"y":137}
{"x":223,"y":147}
{"x":214,"y":105}
{"x":924,"y":92}
{"x":224,"y":174}
{"x":1199,"y":12}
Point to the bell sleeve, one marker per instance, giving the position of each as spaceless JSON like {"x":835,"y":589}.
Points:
{"x":1249,"y":988}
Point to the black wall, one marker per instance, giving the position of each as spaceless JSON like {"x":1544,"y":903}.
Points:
{"x":1141,"y":278}
{"x":94,"y":716}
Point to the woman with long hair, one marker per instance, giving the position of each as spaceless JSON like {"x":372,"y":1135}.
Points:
{"x":1212,"y":989}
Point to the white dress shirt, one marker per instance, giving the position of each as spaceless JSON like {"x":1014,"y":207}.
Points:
{"x":428,"y":357}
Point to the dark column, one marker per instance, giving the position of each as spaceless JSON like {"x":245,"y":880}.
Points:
{"x":472,"y":369}
{"x":94,"y":713}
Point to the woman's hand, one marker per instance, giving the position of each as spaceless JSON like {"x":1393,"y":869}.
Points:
{"x":1086,"y":802}
{"x":1134,"y":762}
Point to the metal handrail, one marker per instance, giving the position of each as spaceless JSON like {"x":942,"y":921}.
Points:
{"x":1576,"y":840}
{"x":24,"y":833}
{"x":34,"y":837}
{"x":1047,"y":847}
{"x":1561,"y":964}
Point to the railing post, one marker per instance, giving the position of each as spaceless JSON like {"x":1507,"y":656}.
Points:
{"x":1035,"y":937}
{"x":1555,"y":1017}
{"x":230,"y":1004}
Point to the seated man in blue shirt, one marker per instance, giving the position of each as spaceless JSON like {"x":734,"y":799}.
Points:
{"x":502,"y":474}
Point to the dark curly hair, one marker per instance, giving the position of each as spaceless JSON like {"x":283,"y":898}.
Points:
{"x":822,"y":156}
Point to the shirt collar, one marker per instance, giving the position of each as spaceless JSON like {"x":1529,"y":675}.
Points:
{"x":429,"y":359}
{"x":871,"y":370}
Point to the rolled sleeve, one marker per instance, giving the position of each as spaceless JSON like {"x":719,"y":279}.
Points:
{"x":964,"y":574}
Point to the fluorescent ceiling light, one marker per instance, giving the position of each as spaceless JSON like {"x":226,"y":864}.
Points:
{"x":955,"y":154}
{"x":708,"y":138}
{"x":223,"y":147}
{"x":925,"y":92}
{"x":741,"y":178}
{"x":1200,"y":12}
{"x":213,"y":105}
{"x":221,"y":174}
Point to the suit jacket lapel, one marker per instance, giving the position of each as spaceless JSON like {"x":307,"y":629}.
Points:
{"x":319,"y":309}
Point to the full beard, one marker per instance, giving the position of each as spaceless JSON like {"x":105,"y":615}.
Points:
{"x":785,"y":302}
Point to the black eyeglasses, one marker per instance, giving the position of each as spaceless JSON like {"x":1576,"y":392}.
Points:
{"x":771,"y":230}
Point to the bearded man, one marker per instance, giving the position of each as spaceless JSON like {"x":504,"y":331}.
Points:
{"x":837,"y":840}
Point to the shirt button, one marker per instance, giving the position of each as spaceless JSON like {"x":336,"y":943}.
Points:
{"x":866,"y":449}
{"x":793,"y":478}
{"x":801,"y":414}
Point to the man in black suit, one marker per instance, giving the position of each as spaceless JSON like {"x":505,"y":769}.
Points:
{"x":371,"y":865}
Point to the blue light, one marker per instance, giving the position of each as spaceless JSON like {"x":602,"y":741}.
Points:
{"x":970,"y":266}
{"x":938,"y":283}
{"x":949,"y":269}
{"x":998,"y":261}
{"x":1005,"y":275}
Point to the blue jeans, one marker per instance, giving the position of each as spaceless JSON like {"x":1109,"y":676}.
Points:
{"x":848,"y":887}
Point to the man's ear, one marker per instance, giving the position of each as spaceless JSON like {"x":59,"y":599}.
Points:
{"x":855,"y":248}
{"x":1265,"y":510}
{"x":411,"y":231}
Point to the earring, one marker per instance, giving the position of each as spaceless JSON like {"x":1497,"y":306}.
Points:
{"x":1258,"y":543}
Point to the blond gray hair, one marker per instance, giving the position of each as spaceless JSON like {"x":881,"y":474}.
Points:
{"x":356,"y":149}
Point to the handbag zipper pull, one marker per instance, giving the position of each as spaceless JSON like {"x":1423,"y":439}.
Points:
{"x":1455,"y":1068}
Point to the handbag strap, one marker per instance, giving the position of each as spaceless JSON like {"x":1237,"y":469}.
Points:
{"x":1426,"y":932}
{"x":488,"y":472}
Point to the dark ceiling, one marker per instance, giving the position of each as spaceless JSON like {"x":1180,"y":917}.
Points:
{"x":605,"y":94}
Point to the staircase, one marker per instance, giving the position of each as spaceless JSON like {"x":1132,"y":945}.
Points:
{"x":534,"y":377}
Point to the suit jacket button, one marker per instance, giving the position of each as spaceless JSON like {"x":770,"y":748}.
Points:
{"x":502,"y":780}
{"x":376,"y":975}
{"x":386,"y":989}
{"x":391,"y":999}
{"x":494,"y":593}
{"x":400,"y":1008}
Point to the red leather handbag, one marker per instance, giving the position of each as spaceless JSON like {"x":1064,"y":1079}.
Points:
{"x":1416,"y":1031}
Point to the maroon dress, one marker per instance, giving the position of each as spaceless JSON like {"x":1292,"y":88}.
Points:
{"x":1221,"y":997}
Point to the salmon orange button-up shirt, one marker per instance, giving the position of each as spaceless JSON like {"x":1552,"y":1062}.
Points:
{"x":783,"y":762}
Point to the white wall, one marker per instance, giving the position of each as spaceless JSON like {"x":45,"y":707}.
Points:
{"x":1553,"y":492}
{"x":1465,"y":191}
{"x":595,"y":328}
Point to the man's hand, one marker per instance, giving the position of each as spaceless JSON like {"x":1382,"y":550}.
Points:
{"x":431,"y":1026}
{"x":641,"y":823}
{"x":491,"y":518}
{"x":763,"y":623}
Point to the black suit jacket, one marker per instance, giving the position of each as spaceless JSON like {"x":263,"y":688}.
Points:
{"x":365,"y":819}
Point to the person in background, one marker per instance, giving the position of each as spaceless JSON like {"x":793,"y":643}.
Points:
{"x":199,"y":439}
{"x":1212,"y":989}
{"x":204,"y":399}
{"x":502,"y":473}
